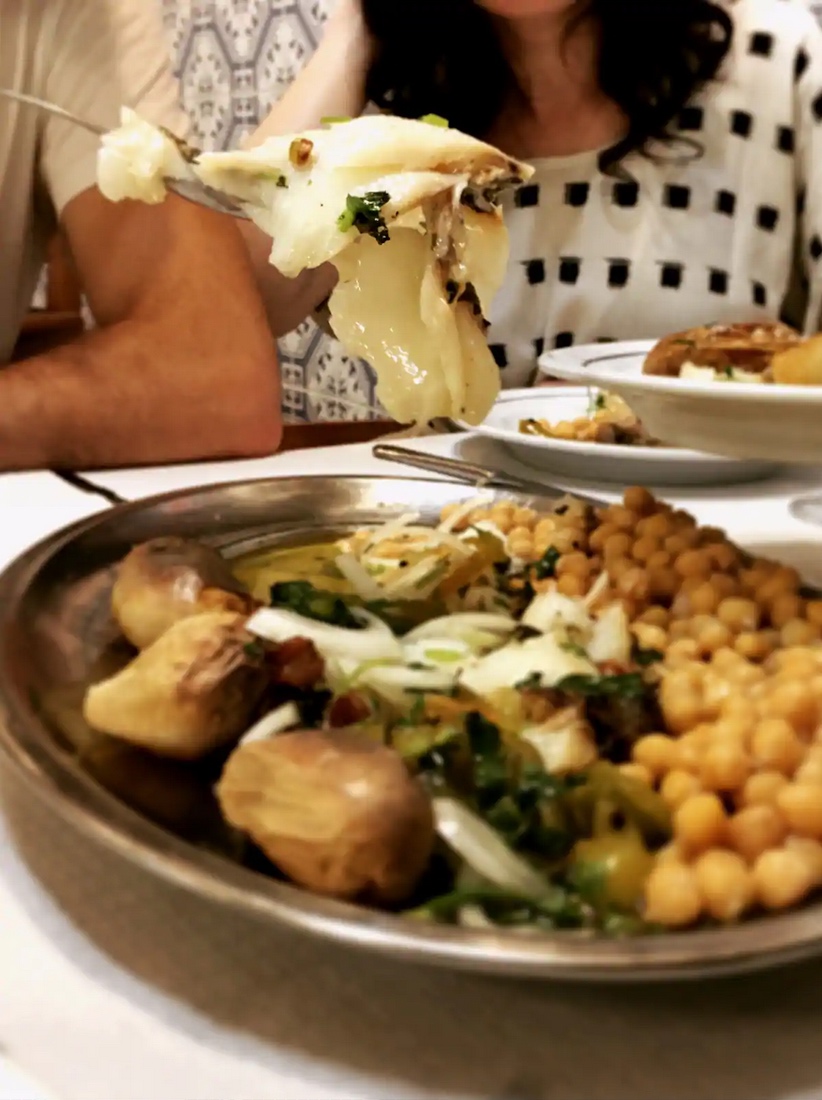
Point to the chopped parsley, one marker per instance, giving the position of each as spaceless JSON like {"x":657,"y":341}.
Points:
{"x":333,"y":120}
{"x":645,"y":657}
{"x":364,"y":213}
{"x":547,"y":564}
{"x":304,"y":599}
{"x":435,"y":120}
{"x":626,"y":685}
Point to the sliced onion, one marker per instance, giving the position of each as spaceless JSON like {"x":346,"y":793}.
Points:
{"x":393,"y":682}
{"x":484,"y":850}
{"x":277,"y":624}
{"x":551,"y":609}
{"x":461,"y":624}
{"x":276,"y":721}
{"x":358,"y":576}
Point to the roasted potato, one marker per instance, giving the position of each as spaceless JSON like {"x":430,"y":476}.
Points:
{"x":191,"y":691}
{"x":336,"y":812}
{"x":747,"y":347}
{"x":165,"y":580}
{"x":799,"y":366}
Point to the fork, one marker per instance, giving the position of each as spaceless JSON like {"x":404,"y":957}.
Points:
{"x":193,"y":190}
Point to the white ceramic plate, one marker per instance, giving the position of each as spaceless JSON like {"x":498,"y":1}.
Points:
{"x":609,"y":462}
{"x":740,"y":419}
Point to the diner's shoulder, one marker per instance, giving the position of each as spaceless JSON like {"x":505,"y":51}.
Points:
{"x":791,"y":22}
{"x":102,"y":55}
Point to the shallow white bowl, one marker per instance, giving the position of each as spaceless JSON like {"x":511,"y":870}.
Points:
{"x":739,"y":419}
{"x":610,"y":462}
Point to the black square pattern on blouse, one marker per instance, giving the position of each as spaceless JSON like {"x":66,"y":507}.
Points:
{"x":619,"y":272}
{"x":741,"y":123}
{"x":760,"y":44}
{"x":569,"y":268}
{"x":576,"y":194}
{"x":670,"y":276}
{"x":500,"y":354}
{"x":534,"y":271}
{"x":718,"y":281}
{"x":527,"y":195}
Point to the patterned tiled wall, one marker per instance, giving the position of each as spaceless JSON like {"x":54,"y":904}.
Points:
{"x":235,"y":58}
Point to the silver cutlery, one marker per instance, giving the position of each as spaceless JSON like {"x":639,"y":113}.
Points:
{"x":472,"y":473}
{"x":191,"y":189}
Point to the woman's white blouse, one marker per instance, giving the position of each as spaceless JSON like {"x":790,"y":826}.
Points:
{"x":731,"y":234}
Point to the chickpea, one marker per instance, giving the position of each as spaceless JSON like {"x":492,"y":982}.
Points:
{"x":704,"y":599}
{"x":600,"y":536}
{"x":525,"y":517}
{"x":724,"y":555}
{"x":754,"y":645}
{"x":801,"y":806}
{"x":576,"y":562}
{"x":725,"y":585}
{"x":663,"y":580}
{"x":762,"y":787}
{"x":677,"y":786}
{"x":794,"y":701}
{"x":756,"y":829}
{"x":811,"y":852}
{"x":782,"y":878}
{"x":669,"y":853}
{"x":570,"y":584}
{"x":649,"y":636}
{"x":679,"y":542}
{"x":672,"y":895}
{"x":657,"y":526}
{"x":654,"y":616}
{"x":639,"y":500}
{"x":725,"y":883}
{"x":682,"y":708}
{"x":622,"y":518}
{"x":784,"y":608}
{"x":774,"y":745}
{"x":810,"y":770}
{"x":813,"y":612}
{"x":738,"y":614}
{"x":634,"y":583}
{"x":617,"y":545}
{"x":681,"y":650}
{"x":711,"y":635}
{"x":656,"y":752}
{"x":741,"y":712}
{"x":725,"y":767}
{"x":798,"y":632}
{"x":645,"y":547}
{"x":692,"y":563}
{"x":700,"y":822}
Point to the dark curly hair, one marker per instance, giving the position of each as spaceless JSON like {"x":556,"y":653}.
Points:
{"x":444,"y":57}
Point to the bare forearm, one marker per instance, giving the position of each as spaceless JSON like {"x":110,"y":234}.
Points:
{"x":287,"y":301}
{"x":130,"y":395}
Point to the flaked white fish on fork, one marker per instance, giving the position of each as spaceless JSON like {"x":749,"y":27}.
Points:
{"x":407,"y":210}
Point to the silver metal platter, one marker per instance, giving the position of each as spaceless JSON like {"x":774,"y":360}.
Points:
{"x":56,"y":635}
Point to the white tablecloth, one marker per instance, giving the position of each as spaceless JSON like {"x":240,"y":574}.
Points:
{"x":116,"y":987}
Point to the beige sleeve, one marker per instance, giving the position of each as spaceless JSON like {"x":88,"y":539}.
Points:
{"x":105,"y":54}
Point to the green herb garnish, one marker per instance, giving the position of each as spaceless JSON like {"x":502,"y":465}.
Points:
{"x":364,"y":213}
{"x":333,"y":120}
{"x":304,"y":599}
{"x":547,"y":564}
{"x":645,"y":657}
{"x":627,"y":685}
{"x":435,"y":120}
